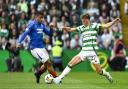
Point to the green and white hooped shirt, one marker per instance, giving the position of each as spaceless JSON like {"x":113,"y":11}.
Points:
{"x":89,"y":36}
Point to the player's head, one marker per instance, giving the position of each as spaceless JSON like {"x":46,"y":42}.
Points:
{"x":39,"y":17}
{"x":85,"y":18}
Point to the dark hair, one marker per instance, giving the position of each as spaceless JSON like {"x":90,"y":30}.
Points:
{"x":39,"y":13}
{"x":86,"y":15}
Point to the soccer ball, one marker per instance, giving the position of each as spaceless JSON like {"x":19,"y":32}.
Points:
{"x":48,"y":78}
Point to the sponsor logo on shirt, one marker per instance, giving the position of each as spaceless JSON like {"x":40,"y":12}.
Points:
{"x":39,"y":31}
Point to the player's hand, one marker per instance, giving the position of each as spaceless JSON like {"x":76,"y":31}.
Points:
{"x":118,"y":19}
{"x":51,"y":25}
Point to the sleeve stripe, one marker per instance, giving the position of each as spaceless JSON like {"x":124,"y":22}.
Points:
{"x":79,"y":28}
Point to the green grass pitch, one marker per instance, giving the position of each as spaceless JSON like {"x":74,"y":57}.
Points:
{"x":75,"y":80}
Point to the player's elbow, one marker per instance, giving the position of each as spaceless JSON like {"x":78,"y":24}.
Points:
{"x":70,"y":30}
{"x":105,"y":26}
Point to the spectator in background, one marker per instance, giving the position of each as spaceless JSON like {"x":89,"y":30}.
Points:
{"x":23,"y":5}
{"x":18,"y":10}
{"x":4,"y":18}
{"x":63,"y":22}
{"x":117,"y":30}
{"x":3,"y":5}
{"x":66,"y":10}
{"x":114,"y":13}
{"x":95,"y":19}
{"x":115,"y":3}
{"x":106,"y":39}
{"x":104,"y":17}
{"x":32,"y":10}
{"x":92,"y":8}
{"x":47,"y":16}
{"x":22,"y":20}
{"x":117,"y":60}
{"x":74,"y":20}
{"x":57,"y":33}
{"x":57,"y":51}
{"x":13,"y":34}
{"x":75,"y":43}
{"x":13,"y":62}
{"x":54,"y":20}
{"x":66,"y":39}
{"x":42,"y":5}
{"x":126,"y":7}
{"x":53,"y":11}
{"x":13,"y":19}
{"x":33,"y":2}
{"x":12,"y":6}
{"x":103,"y":7}
{"x":56,"y":36}
{"x":4,"y":33}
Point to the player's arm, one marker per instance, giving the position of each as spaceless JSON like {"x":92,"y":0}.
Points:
{"x":23,"y":35}
{"x":108,"y":25}
{"x":69,"y":29}
{"x":48,"y":31}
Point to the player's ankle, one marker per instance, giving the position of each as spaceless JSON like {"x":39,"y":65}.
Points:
{"x":53,"y":73}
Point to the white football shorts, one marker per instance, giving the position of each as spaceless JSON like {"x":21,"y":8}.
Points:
{"x":90,"y":55}
{"x":41,"y":54}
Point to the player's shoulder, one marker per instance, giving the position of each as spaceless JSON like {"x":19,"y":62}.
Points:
{"x":95,"y":24}
{"x":42,"y":24}
{"x":31,"y":23}
{"x":81,"y":26}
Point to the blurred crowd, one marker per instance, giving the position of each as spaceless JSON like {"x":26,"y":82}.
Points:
{"x":16,"y":14}
{"x":126,"y":7}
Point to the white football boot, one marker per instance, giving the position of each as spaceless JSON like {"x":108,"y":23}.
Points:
{"x":57,"y":80}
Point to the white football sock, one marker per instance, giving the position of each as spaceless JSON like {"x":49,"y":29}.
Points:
{"x":105,"y":73}
{"x":65,"y":72}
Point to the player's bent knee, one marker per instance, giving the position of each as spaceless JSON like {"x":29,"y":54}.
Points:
{"x":98,"y":68}
{"x":98,"y":71}
{"x":76,"y":60}
{"x":48,"y":63}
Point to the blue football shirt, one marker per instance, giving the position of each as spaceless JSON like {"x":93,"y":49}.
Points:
{"x":35,"y":31}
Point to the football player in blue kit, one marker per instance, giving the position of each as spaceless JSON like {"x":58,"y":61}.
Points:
{"x":35,"y":30}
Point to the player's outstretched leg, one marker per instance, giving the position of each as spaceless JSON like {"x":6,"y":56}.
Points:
{"x":64,"y":73}
{"x":50,"y":69}
{"x":71,"y":64}
{"x":107,"y":75}
{"x":40,"y":71}
{"x":103,"y":72}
